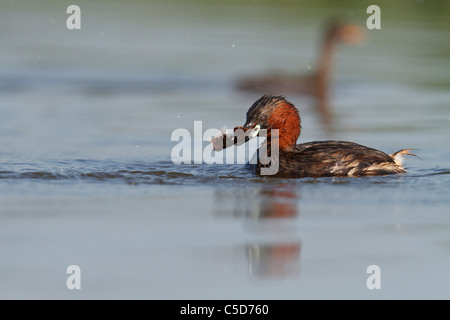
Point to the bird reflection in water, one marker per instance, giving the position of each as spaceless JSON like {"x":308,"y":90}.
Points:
{"x":268,"y":212}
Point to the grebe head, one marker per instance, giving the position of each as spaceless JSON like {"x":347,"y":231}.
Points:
{"x":345,"y":32}
{"x":274,"y":112}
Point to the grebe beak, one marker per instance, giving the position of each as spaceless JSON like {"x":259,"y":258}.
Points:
{"x":244,"y":134}
{"x":251,"y":130}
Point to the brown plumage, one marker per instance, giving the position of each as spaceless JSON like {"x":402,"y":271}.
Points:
{"x":313,"y":159}
{"x":317,"y":83}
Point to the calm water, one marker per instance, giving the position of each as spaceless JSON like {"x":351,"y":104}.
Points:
{"x":86,"y":178}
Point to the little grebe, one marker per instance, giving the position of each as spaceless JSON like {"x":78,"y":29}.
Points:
{"x":312,"y":159}
{"x":316,"y":84}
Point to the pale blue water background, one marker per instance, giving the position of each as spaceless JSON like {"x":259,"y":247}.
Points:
{"x":85,"y":172}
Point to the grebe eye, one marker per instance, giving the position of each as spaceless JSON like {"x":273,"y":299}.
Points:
{"x":263,"y":118}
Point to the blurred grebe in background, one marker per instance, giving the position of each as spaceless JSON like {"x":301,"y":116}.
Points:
{"x":316,"y":84}
{"x":312,"y":159}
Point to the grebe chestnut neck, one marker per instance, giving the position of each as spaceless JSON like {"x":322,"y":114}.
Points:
{"x":313,"y":159}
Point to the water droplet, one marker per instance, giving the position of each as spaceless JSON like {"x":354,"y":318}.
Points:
{"x":233,"y":45}
{"x":309,"y":67}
